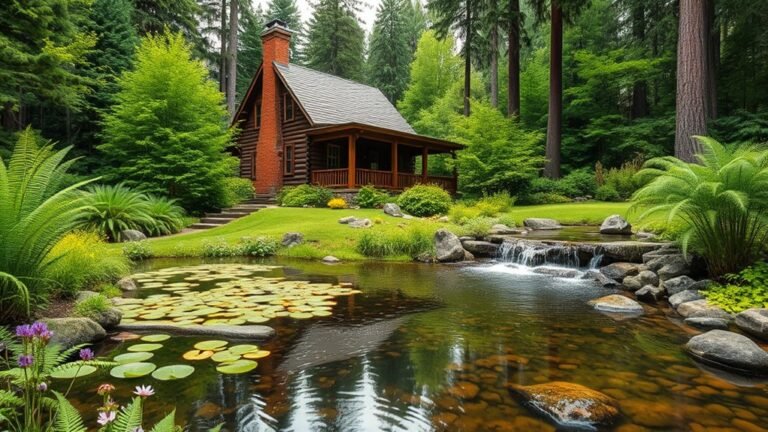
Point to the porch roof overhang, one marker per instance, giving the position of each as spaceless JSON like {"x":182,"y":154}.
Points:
{"x":325,"y":132}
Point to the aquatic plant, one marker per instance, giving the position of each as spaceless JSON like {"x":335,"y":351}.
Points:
{"x":722,"y":202}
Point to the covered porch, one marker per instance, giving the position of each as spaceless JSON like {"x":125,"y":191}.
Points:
{"x":353,"y":156}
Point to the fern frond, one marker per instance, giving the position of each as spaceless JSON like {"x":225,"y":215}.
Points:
{"x":167,"y":424}
{"x":67,"y":417}
{"x":10,"y":399}
{"x":130,"y":417}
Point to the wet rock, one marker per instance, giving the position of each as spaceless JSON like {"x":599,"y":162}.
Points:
{"x":701,"y":309}
{"x":360,"y":223}
{"x":291,"y":239}
{"x":620,"y":270}
{"x":330,"y":259}
{"x":464,"y":390}
{"x":392,"y":209}
{"x":448,"y":247}
{"x":730,"y":350}
{"x":127,"y":284}
{"x":701,"y":285}
{"x":68,"y":332}
{"x":468,"y":256}
{"x":224,"y":331}
{"x":650,"y":293}
{"x":501,"y":229}
{"x":570,"y":404}
{"x":132,"y":235}
{"x":707,"y":323}
{"x":615,"y":224}
{"x":109,"y":318}
{"x":347,"y":220}
{"x":678,"y":284}
{"x":617,"y":304}
{"x":683,"y":297}
{"x":481,"y":248}
{"x":542,"y":224}
{"x":600,"y":278}
{"x":672,"y":267}
{"x":627,"y":251}
{"x":754,"y":321}
{"x":662,"y":251}
{"x":558,"y":272}
{"x":645,"y":277}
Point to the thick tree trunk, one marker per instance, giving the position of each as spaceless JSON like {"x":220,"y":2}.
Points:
{"x":494,"y":75}
{"x":691,"y":101}
{"x":467,"y":59}
{"x":713,"y":59}
{"x":513,"y":87}
{"x":223,"y":49}
{"x":554,"y":120}
{"x":232,"y":58}
{"x":640,"y":88}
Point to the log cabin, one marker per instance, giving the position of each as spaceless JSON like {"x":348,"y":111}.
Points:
{"x":302,"y":126}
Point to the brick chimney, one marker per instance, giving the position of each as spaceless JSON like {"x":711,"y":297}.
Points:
{"x":275,"y":41}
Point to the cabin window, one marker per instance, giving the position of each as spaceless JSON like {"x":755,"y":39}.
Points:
{"x":288,"y":107}
{"x":289,"y":159}
{"x":333,"y":156}
{"x":257,"y":114}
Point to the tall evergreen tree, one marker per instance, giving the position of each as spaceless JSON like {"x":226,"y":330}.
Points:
{"x":288,"y":11}
{"x":250,"y":53}
{"x":389,"y":55}
{"x":335,"y":40}
{"x":232,"y":47}
{"x":416,"y":23}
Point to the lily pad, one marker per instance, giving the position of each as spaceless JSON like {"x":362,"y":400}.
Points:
{"x":133,"y":357}
{"x":145,"y":347}
{"x":256,"y":354}
{"x":132,"y":370}
{"x":197,"y":355}
{"x":169,"y":373}
{"x":237,"y":367}
{"x":225,"y":356}
{"x":300,"y":315}
{"x":242,"y":349}
{"x":322,"y":313}
{"x":156,"y":338}
{"x":73,"y":372}
{"x":211,"y":345}
{"x":256,"y":319}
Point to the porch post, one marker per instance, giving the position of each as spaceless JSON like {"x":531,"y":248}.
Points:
{"x":455,"y":172}
{"x":424,"y":155}
{"x":394,"y":165}
{"x":351,"y":160}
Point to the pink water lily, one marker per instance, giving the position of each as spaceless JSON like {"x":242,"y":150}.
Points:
{"x":144,"y":391}
{"x":106,"y":417}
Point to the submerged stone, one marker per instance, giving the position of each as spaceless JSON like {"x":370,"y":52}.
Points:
{"x":617,"y":304}
{"x":558,"y":272}
{"x":569,"y":404}
{"x":730,"y":350}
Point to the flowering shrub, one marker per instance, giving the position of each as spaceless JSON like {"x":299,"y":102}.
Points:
{"x":337,"y":203}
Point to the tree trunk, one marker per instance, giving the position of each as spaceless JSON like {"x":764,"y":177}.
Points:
{"x":554,"y":120}
{"x":494,"y":75}
{"x":513,"y":88}
{"x":640,"y":88}
{"x":232,"y":58}
{"x":467,"y":59}
{"x":713,"y":59}
{"x":223,"y":49}
{"x":691,"y":103}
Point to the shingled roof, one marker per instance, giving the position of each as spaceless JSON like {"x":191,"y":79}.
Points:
{"x":330,"y":100}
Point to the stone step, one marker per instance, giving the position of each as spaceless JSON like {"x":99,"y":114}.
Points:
{"x":217,"y":220}
{"x":229,"y":214}
{"x":253,"y":207}
{"x":201,"y":225}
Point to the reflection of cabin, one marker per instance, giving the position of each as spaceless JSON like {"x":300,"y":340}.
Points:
{"x":303,"y":126}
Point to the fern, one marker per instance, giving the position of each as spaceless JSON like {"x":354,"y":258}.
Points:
{"x":10,"y":400}
{"x":129,"y":417}
{"x":67,"y":417}
{"x":167,"y":424}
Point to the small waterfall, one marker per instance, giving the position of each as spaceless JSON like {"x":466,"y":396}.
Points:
{"x":531,"y":254}
{"x":594,"y":263}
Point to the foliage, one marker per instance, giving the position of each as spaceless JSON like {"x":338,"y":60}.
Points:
{"x":607,"y":192}
{"x":35,"y":214}
{"x":109,"y":291}
{"x":288,"y":12}
{"x":218,"y":248}
{"x":580,"y":182}
{"x":110,"y":210}
{"x":460,"y":213}
{"x":744,"y":290}
{"x":722,"y":202}
{"x":249,"y":48}
{"x":304,"y":195}
{"x":546,"y":198}
{"x":258,"y":247}
{"x":623,"y":179}
{"x":93,"y":306}
{"x":492,"y":205}
{"x":425,"y":200}
{"x":335,"y":40}
{"x":742,"y":127}
{"x":370,"y":197}
{"x":413,"y":242}
{"x":137,"y":250}
{"x":166,"y":217}
{"x":337,"y":203}
{"x":168,"y":132}
{"x":82,"y":260}
{"x":477,"y":227}
{"x":237,"y":190}
{"x":389,"y":55}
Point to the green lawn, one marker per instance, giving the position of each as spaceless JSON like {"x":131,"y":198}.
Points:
{"x":323,"y":234}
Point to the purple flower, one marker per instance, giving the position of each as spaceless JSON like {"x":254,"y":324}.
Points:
{"x":25,"y":361}
{"x":39,"y":328}
{"x":25,"y":331}
{"x":144,"y":391}
{"x":86,"y":354}
{"x":42,"y":387}
{"x":106,"y":418}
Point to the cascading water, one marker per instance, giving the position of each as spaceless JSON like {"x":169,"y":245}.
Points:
{"x":531,"y":254}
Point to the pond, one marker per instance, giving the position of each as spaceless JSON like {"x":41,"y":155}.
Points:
{"x":426,"y":348}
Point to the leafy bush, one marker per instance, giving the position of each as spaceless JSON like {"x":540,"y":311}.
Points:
{"x":82,"y":260}
{"x":425,"y":200}
{"x":35,"y":213}
{"x":478,"y":227}
{"x":109,"y":291}
{"x":370,"y":197}
{"x":413,"y":242}
{"x":607,"y":192}
{"x":744,"y":290}
{"x":492,"y":205}
{"x":337,"y":204}
{"x":237,"y":190}
{"x":137,"y":250}
{"x":93,"y":306}
{"x":506,"y":219}
{"x":304,"y":195}
{"x":258,"y":247}
{"x":546,"y":198}
{"x":461,"y":213}
{"x":623,"y":180}
{"x":580,"y":182}
{"x":113,"y":209}
{"x":218,"y":248}
{"x":167,"y":217}
{"x":722,"y":202}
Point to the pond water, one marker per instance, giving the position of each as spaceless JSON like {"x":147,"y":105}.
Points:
{"x":577,"y":233}
{"x":426,"y":348}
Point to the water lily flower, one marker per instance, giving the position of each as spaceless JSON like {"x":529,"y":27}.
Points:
{"x":106,"y":417}
{"x":25,"y":331}
{"x":144,"y":391}
{"x":86,"y":354}
{"x":25,"y":361}
{"x":105,"y":389}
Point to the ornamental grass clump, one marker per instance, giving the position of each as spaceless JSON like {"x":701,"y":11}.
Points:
{"x":721,"y":202}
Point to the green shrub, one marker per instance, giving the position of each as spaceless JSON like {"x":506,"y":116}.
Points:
{"x":414,"y":241}
{"x":623,"y":180}
{"x":492,"y":205}
{"x":219,"y":248}
{"x":137,"y":250}
{"x":167,"y":217}
{"x":110,"y":291}
{"x":478,"y":227}
{"x":580,"y":182}
{"x":744,"y":290}
{"x":461,"y":213}
{"x":607,"y":192}
{"x":425,"y":200}
{"x":93,"y":306}
{"x":370,"y":197}
{"x":113,"y":209}
{"x":237,"y":190}
{"x":82,"y":260}
{"x":507,"y":219}
{"x":258,"y":247}
{"x":542,"y":185}
{"x":546,"y":198}
{"x":304,"y":195}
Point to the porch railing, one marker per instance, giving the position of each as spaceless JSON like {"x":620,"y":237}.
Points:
{"x":331,"y":177}
{"x":339,"y":178}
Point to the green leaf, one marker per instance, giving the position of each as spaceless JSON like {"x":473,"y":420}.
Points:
{"x":167,"y":424}
{"x":67,"y":417}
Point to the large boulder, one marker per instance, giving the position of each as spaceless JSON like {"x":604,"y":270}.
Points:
{"x":481,"y":248}
{"x":721,"y":348}
{"x":132,"y":235}
{"x":127,"y":284}
{"x":678,"y":284}
{"x":600,"y":278}
{"x":707,"y":323}
{"x":702,"y":309}
{"x":627,"y":251}
{"x":754,"y":321}
{"x":645,"y":277}
{"x":684,"y":297}
{"x":620,"y":270}
{"x":448,"y":247}
{"x":109,"y":318}
{"x":291,"y":239}
{"x":542,"y":224}
{"x":569,"y":404}
{"x":671,"y":267}
{"x":650,"y":293}
{"x":392,"y":209}
{"x":616,"y":303}
{"x":69,"y":332}
{"x":615,"y":224}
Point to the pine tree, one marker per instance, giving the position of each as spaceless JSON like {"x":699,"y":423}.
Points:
{"x":250,"y":53}
{"x":335,"y":40}
{"x":415,"y":22}
{"x":288,"y":12}
{"x":390,"y":57}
